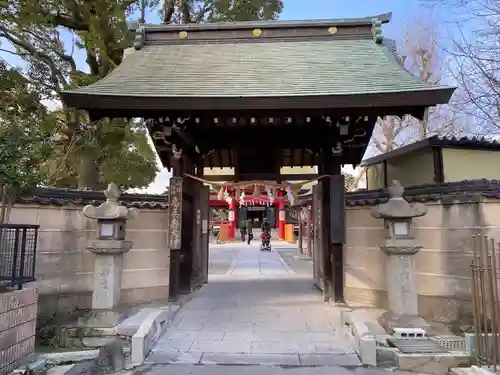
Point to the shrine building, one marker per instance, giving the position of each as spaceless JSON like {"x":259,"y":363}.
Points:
{"x":257,"y":202}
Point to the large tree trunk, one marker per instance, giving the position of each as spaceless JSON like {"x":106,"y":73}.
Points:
{"x":168,"y":10}
{"x":88,"y":176}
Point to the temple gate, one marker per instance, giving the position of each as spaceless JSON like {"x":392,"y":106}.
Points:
{"x":258,"y":96}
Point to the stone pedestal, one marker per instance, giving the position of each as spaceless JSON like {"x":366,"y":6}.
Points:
{"x":108,"y":267}
{"x":401,"y":289}
{"x":400,"y":275}
{"x":107,"y":281}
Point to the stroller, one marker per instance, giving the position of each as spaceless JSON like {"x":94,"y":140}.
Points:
{"x":266,"y":240}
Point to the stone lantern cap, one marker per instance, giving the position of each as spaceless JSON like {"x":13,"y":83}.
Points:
{"x":111,"y":209}
{"x":397,"y":208}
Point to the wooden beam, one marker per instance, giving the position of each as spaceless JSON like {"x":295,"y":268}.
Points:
{"x":302,"y":156}
{"x":230,"y":158}
{"x":437,"y":153}
{"x":236,"y":165}
{"x":219,"y":157}
{"x":282,"y":177}
{"x":386,"y":177}
{"x":184,"y":136}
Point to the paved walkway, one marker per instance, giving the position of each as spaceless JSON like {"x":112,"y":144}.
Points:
{"x":258,"y":312}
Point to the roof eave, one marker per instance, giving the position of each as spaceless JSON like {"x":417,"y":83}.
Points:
{"x":100,"y":102}
{"x":434,"y":141}
{"x":412,"y":147}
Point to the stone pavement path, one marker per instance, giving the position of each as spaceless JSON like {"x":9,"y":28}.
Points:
{"x":258,"y":312}
{"x":210,"y":369}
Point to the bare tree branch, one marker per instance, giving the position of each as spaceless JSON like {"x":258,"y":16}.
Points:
{"x":17,"y":40}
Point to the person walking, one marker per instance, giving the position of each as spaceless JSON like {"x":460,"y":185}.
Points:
{"x":243,"y":230}
{"x":249,"y":228}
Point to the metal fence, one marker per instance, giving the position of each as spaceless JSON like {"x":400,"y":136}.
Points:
{"x":485,"y":300}
{"x":17,"y":254}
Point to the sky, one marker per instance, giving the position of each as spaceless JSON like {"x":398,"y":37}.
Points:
{"x":402,"y":10}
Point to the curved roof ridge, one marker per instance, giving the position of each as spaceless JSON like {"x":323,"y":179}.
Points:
{"x":360,"y":21}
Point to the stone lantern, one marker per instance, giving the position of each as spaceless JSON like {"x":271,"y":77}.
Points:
{"x":108,"y":247}
{"x":400,"y":246}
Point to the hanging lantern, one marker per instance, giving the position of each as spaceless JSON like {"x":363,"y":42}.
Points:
{"x":295,"y":194}
{"x":220,"y":194}
{"x":270,"y":197}
{"x":256,"y":191}
{"x":289,"y":195}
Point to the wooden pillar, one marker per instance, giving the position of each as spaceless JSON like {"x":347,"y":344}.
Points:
{"x":301,"y":231}
{"x":276,"y":212}
{"x":337,"y":234}
{"x":281,"y":215}
{"x":326,"y":167}
{"x":174,"y":239}
{"x":233,"y":218}
{"x":333,"y":238}
{"x":309,"y":231}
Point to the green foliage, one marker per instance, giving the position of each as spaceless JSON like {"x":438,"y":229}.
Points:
{"x":245,"y":10}
{"x":24,"y":137}
{"x":134,"y":155}
{"x":187,"y":11}
{"x":85,"y":153}
{"x":349,"y":180}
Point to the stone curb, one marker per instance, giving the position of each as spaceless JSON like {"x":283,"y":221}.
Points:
{"x":481,"y":371}
{"x":151,"y":329}
{"x":365,"y":342}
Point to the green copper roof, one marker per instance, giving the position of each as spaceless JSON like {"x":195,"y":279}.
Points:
{"x":327,"y":67}
{"x":300,"y":59}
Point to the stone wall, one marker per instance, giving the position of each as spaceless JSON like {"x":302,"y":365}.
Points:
{"x":64,"y":269}
{"x":18,"y":311}
{"x":455,"y":213}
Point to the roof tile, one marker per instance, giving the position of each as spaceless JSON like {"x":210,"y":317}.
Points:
{"x":246,"y":69}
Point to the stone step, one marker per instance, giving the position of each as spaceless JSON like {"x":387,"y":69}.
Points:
{"x":130,"y":325}
{"x":60,"y":370}
{"x":461,"y":371}
{"x":97,"y":342}
{"x":75,"y":356}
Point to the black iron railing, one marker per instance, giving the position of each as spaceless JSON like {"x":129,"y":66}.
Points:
{"x":17,"y":254}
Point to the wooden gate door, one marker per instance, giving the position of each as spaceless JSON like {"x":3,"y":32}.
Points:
{"x":200,"y":236}
{"x":317,"y":236}
{"x":205,"y":210}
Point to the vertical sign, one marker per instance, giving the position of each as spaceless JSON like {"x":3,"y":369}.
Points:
{"x":337,"y":209}
{"x":175,"y":213}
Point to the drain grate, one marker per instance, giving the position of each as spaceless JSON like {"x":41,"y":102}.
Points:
{"x":450,"y":342}
{"x":416,"y":346}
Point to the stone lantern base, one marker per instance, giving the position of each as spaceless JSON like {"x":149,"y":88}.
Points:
{"x":108,"y":266}
{"x":101,"y":319}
